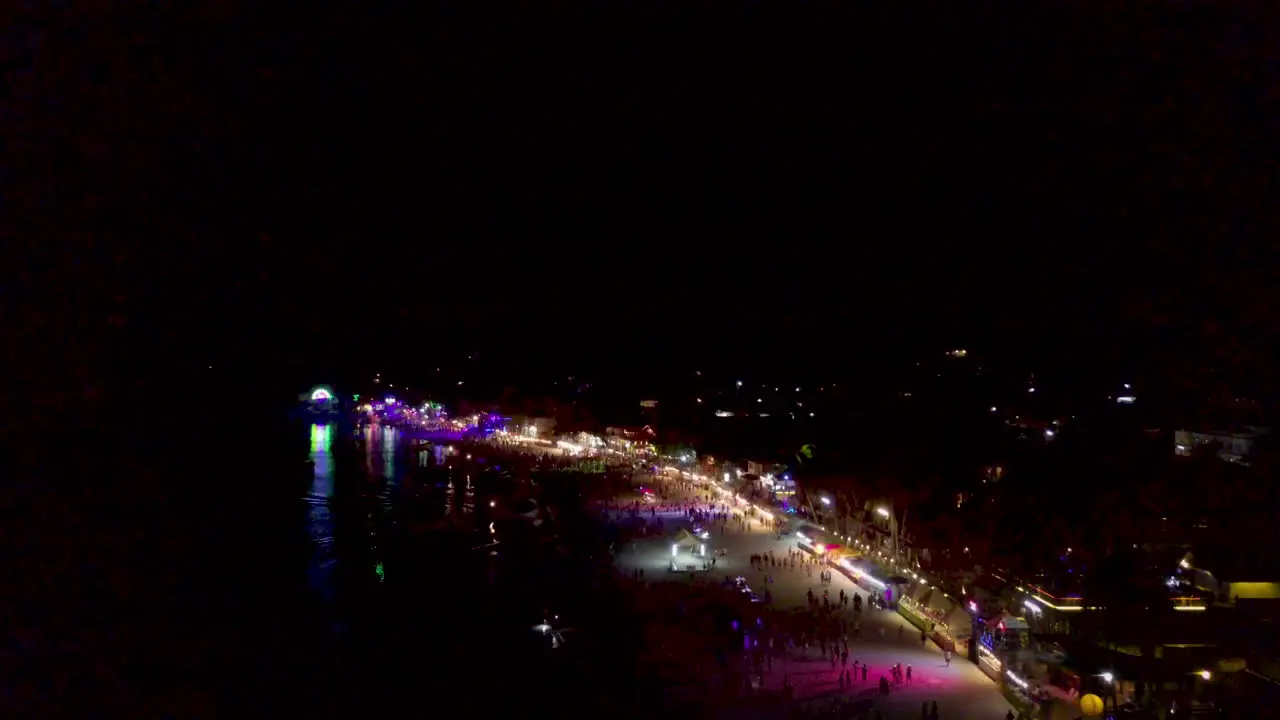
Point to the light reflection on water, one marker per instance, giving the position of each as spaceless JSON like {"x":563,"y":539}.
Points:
{"x":390,"y":436}
{"x":319,"y":515}
{"x":322,"y":457}
{"x":392,"y":469}
{"x":387,"y":439}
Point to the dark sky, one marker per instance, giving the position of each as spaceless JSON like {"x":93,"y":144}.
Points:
{"x":308,"y":189}
{"x":295,"y":194}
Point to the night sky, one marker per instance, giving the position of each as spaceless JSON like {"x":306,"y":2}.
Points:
{"x":301,"y":195}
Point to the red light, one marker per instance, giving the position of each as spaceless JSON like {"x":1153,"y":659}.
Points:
{"x":1001,"y":626}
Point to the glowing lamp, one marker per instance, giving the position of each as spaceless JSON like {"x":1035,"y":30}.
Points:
{"x":1091,"y":705}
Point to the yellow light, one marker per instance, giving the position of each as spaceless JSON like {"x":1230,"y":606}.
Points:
{"x":1206,"y":674}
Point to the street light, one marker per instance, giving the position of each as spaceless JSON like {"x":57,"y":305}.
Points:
{"x":893,"y":528}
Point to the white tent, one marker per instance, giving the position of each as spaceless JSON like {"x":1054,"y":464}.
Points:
{"x":685,"y":539}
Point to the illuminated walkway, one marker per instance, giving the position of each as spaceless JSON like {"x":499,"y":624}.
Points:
{"x":961,"y":690}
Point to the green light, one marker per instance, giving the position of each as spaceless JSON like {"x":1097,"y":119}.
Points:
{"x":381,"y":573}
{"x":321,"y":438}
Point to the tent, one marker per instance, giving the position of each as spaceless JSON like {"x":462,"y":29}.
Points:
{"x":935,"y":605}
{"x":685,"y":539}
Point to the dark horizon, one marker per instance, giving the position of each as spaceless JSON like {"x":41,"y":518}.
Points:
{"x":962,"y":199}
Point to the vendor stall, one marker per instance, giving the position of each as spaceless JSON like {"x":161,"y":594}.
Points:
{"x":942,"y":617}
{"x":687,"y":551}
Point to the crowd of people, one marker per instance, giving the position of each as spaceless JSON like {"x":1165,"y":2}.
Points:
{"x":798,"y":660}
{"x":797,"y":638}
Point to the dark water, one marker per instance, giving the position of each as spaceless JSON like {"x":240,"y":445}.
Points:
{"x":369,"y":487}
{"x":232,"y":578}
{"x":416,"y":582}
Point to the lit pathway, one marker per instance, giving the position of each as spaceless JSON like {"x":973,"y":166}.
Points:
{"x":961,"y":690}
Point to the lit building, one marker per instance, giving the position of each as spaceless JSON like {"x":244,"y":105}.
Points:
{"x":1233,"y":446}
{"x":634,"y":434}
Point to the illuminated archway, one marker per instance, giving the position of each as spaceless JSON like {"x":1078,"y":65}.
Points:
{"x":321,"y":394}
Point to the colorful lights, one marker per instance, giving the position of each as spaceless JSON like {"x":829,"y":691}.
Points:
{"x":321,"y":438}
{"x":861,"y":575}
{"x":1186,"y":604}
{"x":988,"y":657}
{"x":1064,"y":608}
